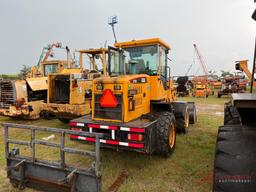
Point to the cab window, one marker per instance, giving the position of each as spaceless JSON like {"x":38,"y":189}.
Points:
{"x":141,"y":60}
{"x":50,"y":68}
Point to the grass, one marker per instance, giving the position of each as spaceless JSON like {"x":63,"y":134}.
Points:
{"x":11,"y":77}
{"x":212,"y":99}
{"x":188,"y":169}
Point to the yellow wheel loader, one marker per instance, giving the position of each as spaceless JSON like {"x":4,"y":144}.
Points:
{"x":69,"y":92}
{"x":135,"y":106}
{"x":24,"y":98}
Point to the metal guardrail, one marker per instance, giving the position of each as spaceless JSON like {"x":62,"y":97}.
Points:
{"x":48,"y":175}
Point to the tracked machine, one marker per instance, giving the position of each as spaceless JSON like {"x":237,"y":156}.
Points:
{"x":70,"y":91}
{"x":135,"y":106}
{"x":235,"y":156}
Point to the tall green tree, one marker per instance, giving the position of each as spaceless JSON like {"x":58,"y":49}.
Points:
{"x":226,"y":74}
{"x":24,"y":72}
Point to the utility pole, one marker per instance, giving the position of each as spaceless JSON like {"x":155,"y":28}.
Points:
{"x":112,"y":21}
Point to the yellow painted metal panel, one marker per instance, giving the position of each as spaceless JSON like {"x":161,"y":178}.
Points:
{"x":37,"y":84}
{"x":93,"y":51}
{"x":142,"y":96}
{"x":143,"y":42}
{"x":21,"y":90}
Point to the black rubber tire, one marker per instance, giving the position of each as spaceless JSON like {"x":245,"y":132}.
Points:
{"x":231,"y":115}
{"x":163,"y":129}
{"x":181,"y":123}
{"x":235,"y":159}
{"x":192,"y":113}
{"x":66,"y":121}
{"x":181,"y":114}
{"x":219,"y":95}
{"x":47,"y":115}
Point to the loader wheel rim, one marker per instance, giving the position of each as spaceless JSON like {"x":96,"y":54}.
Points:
{"x":187,"y":119}
{"x":172,"y":135}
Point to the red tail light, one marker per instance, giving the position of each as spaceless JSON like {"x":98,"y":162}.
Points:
{"x":135,"y":137}
{"x":108,"y":99}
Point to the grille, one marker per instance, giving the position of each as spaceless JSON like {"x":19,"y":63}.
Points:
{"x":107,"y":112}
{"x":61,"y":89}
{"x":6,"y":94}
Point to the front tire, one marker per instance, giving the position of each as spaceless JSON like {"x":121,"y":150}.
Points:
{"x":235,"y":159}
{"x":165,"y":134}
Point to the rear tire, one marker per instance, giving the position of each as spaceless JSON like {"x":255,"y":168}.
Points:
{"x":165,"y":134}
{"x":183,"y":122}
{"x":192,"y":112}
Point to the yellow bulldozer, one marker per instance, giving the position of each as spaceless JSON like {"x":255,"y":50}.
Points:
{"x":135,"y":106}
{"x":24,"y":98}
{"x":70,"y":91}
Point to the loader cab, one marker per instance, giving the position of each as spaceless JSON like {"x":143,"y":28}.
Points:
{"x":143,"y":57}
{"x":53,"y":66}
{"x":139,"y":58}
{"x":97,"y":62}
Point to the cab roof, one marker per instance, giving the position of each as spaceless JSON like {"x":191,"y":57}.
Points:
{"x":93,"y":51}
{"x":144,"y":42}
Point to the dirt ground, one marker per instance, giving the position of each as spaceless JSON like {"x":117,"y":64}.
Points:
{"x":211,"y":109}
